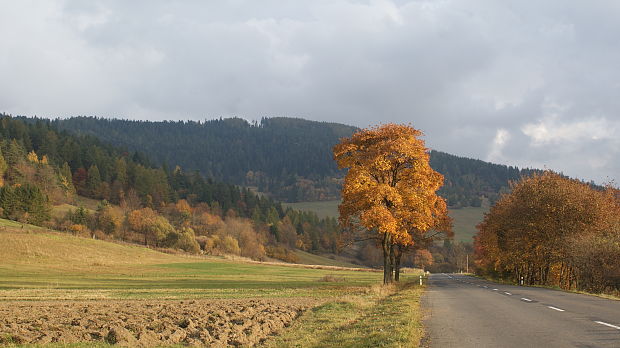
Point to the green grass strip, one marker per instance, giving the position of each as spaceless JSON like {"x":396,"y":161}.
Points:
{"x":372,"y":320}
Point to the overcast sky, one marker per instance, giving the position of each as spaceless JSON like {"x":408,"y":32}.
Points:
{"x":527,"y":83}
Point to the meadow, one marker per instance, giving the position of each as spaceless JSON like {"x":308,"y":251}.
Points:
{"x":61,"y":272}
{"x":464,"y":219}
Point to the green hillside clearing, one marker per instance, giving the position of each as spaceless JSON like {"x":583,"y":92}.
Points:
{"x":322,"y":208}
{"x":331,"y":260}
{"x":465,"y":219}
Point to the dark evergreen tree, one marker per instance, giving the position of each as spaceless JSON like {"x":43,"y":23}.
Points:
{"x":26,"y":203}
{"x":93,"y":181}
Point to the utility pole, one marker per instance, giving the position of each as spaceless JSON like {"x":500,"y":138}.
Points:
{"x":467,"y":263}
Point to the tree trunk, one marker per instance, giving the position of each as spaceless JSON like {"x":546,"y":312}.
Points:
{"x":387,"y":264}
{"x":397,"y":254}
{"x":392,"y":262}
{"x":561,"y":276}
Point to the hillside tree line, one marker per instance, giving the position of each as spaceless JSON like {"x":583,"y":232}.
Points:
{"x":288,"y":158}
{"x":41,"y":167}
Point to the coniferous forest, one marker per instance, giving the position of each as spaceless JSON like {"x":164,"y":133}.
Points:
{"x":288,"y":158}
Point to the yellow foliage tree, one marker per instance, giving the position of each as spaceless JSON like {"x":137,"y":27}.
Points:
{"x":32,"y":157}
{"x":149,"y":223}
{"x":390,"y":188}
{"x":183,"y":212}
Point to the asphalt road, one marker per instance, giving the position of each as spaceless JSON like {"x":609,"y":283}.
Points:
{"x":463,"y":311}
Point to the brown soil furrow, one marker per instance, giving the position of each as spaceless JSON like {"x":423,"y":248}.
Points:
{"x":146,"y":323}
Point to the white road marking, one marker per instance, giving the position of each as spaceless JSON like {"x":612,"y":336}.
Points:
{"x":526,"y":299}
{"x":556,"y":308}
{"x":507,"y":293}
{"x":495,"y":289}
{"x":608,"y":324}
{"x":486,"y":287}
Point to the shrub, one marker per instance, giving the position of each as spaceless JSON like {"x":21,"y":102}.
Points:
{"x":183,"y":239}
{"x":78,"y":230}
{"x":250,"y":244}
{"x":187,"y":241}
{"x":230,"y":245}
{"x":331,"y":278}
{"x":211,"y":244}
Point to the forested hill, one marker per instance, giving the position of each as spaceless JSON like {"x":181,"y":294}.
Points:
{"x":289,"y":158}
{"x":43,"y":171}
{"x":87,"y":166}
{"x":226,"y":148}
{"x":467,"y":180}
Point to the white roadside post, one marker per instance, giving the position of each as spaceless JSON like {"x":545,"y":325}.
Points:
{"x":420,"y":280}
{"x":467,"y":263}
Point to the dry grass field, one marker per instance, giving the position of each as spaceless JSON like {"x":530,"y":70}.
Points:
{"x":58,"y":289}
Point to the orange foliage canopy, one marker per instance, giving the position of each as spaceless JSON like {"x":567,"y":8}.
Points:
{"x":539,"y":232}
{"x":390,"y":187}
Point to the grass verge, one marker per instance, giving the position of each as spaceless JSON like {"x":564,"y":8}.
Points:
{"x":383,"y":317}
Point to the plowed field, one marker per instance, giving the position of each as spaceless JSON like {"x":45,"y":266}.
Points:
{"x":146,"y":323}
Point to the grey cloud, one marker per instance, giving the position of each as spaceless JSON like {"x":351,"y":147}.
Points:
{"x":463,"y":72}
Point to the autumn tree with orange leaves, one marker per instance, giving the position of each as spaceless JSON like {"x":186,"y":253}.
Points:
{"x":551,"y":230}
{"x":390,"y":190}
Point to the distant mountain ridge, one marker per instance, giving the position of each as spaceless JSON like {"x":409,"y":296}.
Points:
{"x":289,"y":158}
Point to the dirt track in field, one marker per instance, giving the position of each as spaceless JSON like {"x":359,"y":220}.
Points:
{"x":146,"y":323}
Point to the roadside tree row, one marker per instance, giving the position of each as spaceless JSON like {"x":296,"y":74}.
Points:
{"x":551,"y":230}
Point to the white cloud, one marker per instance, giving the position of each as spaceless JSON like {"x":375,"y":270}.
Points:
{"x":553,"y":131}
{"x":502,"y":136}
